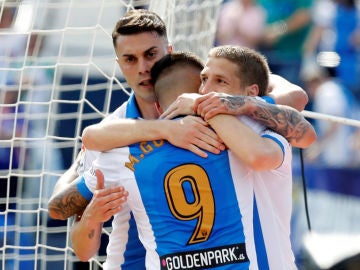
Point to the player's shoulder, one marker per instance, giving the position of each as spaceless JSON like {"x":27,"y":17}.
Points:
{"x":120,"y":112}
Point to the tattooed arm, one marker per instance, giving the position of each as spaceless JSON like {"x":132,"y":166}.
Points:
{"x":66,"y":200}
{"x":105,"y":201}
{"x":284,"y":120}
{"x":86,"y":236}
{"x":86,"y":231}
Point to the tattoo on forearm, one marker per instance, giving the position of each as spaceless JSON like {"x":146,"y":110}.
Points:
{"x":233,"y":103}
{"x":286,"y":121}
{"x":68,"y":203}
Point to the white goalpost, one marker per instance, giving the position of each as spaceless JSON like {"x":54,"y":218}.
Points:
{"x":58,"y":74}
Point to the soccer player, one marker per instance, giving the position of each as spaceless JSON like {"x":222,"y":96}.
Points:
{"x":228,"y":68}
{"x":187,"y":207}
{"x":138,"y":46}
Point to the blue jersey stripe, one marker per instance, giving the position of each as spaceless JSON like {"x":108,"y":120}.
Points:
{"x":268,"y":99}
{"x":261,"y":254}
{"x":275,"y":140}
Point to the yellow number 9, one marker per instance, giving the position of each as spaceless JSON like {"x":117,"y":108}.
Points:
{"x":202,"y":207}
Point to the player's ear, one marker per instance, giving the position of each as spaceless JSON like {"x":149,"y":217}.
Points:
{"x":158,"y":108}
{"x":252,"y":90}
{"x":170,"y":48}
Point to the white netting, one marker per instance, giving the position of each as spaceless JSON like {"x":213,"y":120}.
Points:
{"x":191,"y":23}
{"x":57,"y":75}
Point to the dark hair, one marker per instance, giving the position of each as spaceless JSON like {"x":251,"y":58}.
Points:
{"x":252,"y":66}
{"x":138,"y":21}
{"x":175,"y":58}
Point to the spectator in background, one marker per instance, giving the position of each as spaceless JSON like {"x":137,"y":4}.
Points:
{"x":42,"y":158}
{"x":287,"y":26}
{"x":11,"y":124}
{"x":331,"y":167}
{"x":25,"y":90}
{"x":25,"y":94}
{"x":240,"y":22}
{"x":42,"y":154}
{"x":12,"y":45}
{"x":330,"y":96}
{"x":336,"y":28}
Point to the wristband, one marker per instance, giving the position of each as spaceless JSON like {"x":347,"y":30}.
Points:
{"x":83,"y":189}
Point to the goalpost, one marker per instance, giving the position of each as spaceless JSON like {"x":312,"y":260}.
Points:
{"x":58,"y":74}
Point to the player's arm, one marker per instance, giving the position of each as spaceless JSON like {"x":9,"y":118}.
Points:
{"x":74,"y":198}
{"x":284,"y":120}
{"x":65,"y":200}
{"x":86,"y":236}
{"x":286,"y":93}
{"x":192,"y":134}
{"x":86,"y":230}
{"x":300,"y":18}
{"x":70,"y":202}
{"x":257,"y":152}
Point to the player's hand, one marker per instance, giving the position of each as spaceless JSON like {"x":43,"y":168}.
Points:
{"x":106,"y":201}
{"x":194,"y":134}
{"x":183,"y":105}
{"x":211,"y":104}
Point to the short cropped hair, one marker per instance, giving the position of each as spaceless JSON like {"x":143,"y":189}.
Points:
{"x":139,"y":21}
{"x":252,"y":66}
{"x":179,"y":58}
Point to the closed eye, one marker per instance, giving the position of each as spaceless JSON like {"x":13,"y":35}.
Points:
{"x":221,"y":81}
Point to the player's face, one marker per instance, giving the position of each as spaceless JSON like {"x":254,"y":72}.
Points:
{"x":136,"y":54}
{"x":220,"y":75}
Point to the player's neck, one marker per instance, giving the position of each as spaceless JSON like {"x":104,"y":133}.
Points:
{"x":148,"y":110}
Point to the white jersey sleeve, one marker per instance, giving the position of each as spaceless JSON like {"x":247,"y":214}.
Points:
{"x":88,"y":156}
{"x":112,"y":166}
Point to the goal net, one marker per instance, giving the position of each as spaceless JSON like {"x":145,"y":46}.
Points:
{"x":57,"y":75}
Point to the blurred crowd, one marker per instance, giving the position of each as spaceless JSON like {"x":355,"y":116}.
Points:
{"x":315,"y":44}
{"x":28,"y":167}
